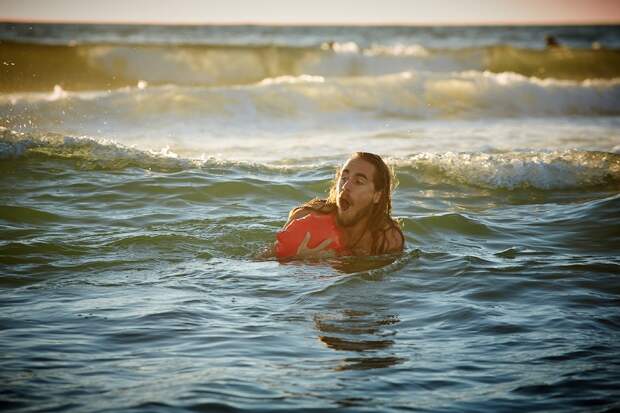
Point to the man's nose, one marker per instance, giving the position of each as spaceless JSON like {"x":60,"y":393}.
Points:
{"x":345,"y":185}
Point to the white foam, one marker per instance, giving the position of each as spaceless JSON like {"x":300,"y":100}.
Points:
{"x":15,"y":145}
{"x":541,"y":170}
{"x":110,"y":154}
{"x":341,"y":47}
{"x":415,"y":50}
{"x":292,"y":80}
{"x":426,"y":95}
{"x":57,"y":94}
{"x":292,"y":115}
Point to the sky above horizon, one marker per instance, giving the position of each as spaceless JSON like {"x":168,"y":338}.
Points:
{"x":316,"y":11}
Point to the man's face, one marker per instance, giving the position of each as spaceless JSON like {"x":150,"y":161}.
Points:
{"x":356,"y":191}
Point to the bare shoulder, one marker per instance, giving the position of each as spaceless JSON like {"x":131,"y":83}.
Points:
{"x":394,"y":240}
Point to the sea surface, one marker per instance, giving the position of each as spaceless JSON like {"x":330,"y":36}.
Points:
{"x":145,"y":170}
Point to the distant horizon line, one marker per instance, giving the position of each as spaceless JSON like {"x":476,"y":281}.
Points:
{"x":317,"y":24}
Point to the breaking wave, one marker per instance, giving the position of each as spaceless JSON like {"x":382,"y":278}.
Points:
{"x":545,"y":170}
{"x":36,"y":67}
{"x":518,"y":170}
{"x":421,"y":95}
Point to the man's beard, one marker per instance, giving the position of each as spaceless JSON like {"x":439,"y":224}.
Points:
{"x":359,"y":215}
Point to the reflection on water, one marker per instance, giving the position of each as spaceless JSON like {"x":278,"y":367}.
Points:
{"x":359,"y":331}
{"x":363,"y":345}
{"x":361,"y":363}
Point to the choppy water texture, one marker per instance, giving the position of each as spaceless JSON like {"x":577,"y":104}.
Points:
{"x":146,"y":169}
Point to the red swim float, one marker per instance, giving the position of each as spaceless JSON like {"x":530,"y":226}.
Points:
{"x":320,"y":227}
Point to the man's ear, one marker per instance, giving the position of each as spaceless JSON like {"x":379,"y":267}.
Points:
{"x":376,"y":197}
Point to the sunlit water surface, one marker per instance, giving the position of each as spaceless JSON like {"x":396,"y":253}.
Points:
{"x":136,"y":206}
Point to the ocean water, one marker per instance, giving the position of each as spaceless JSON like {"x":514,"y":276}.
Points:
{"x":145,"y":170}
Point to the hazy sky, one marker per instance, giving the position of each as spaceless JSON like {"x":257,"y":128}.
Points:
{"x":316,"y":11}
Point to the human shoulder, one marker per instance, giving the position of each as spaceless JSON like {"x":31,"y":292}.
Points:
{"x":393,"y":239}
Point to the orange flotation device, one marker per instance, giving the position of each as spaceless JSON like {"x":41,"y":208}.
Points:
{"x":320,"y":227}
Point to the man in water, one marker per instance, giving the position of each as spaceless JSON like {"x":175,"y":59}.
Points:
{"x":360,"y":198}
{"x":551,"y":42}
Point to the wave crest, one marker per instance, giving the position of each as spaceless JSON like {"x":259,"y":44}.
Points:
{"x":107,"y":154}
{"x":32,"y":67}
{"x":549,"y":170}
{"x":518,"y":170}
{"x":91,"y":152}
{"x":421,"y":95}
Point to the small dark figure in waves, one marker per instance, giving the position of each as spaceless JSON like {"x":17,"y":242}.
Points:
{"x":551,"y":42}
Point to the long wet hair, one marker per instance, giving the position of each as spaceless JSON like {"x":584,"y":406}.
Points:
{"x":380,"y":220}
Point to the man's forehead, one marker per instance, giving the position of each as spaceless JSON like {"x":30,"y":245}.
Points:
{"x":358,"y":166}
